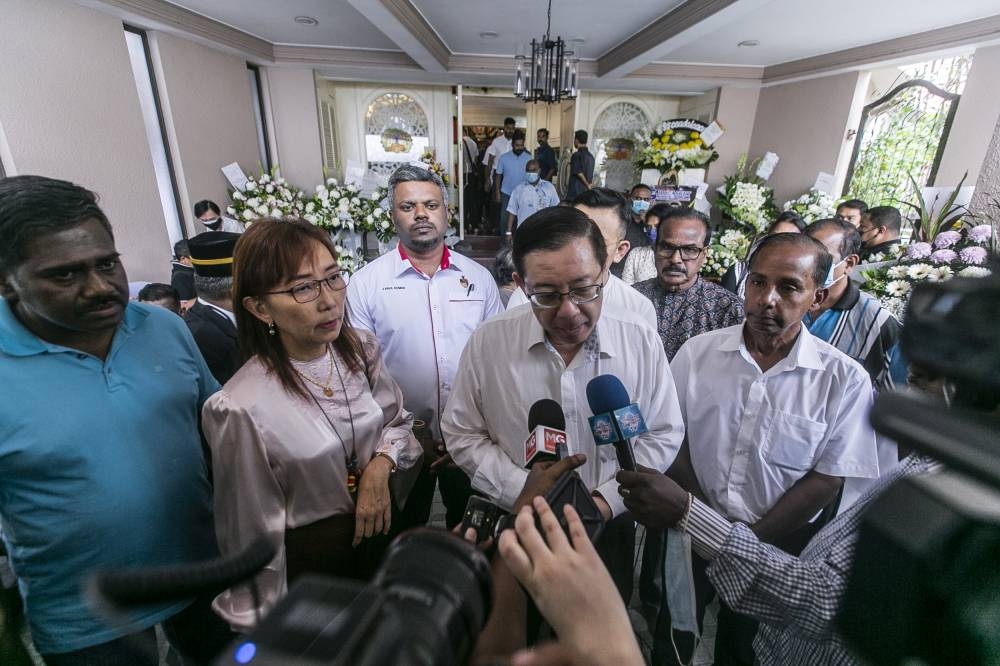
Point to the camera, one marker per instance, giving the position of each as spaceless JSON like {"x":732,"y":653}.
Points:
{"x":425,"y":607}
{"x":925,"y":587}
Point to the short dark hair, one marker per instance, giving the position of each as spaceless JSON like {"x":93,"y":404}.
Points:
{"x":32,"y":206}
{"x":886,"y":216}
{"x":542,"y":130}
{"x":553,"y":229}
{"x":788,"y":217}
{"x":856,"y":204}
{"x":581,"y":136}
{"x":503,"y":266}
{"x":850,"y":242}
{"x":685,"y":213}
{"x":157,"y":291}
{"x":823,"y":260}
{"x":409,"y":173}
{"x":518,"y":134}
{"x":602,"y":197}
{"x":181,"y":249}
{"x":204,"y":206}
{"x":508,"y":121}
{"x":659,"y":211}
{"x":640,"y":186}
{"x":214,"y":288}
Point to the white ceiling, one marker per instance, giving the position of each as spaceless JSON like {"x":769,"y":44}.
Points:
{"x":788,"y":31}
{"x":795,"y":29}
{"x":340,"y":24}
{"x":602,"y":25}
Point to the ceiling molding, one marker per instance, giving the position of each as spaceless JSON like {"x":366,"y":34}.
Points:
{"x":325,"y":56}
{"x":637,"y":50}
{"x":670,"y":70}
{"x":403,"y":23}
{"x":962,"y":34}
{"x":504,"y":66}
{"x":156,"y":14}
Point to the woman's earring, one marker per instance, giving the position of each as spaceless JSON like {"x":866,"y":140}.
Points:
{"x":272,"y":329}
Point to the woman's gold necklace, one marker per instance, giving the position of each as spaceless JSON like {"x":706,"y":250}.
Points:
{"x":328,"y":386}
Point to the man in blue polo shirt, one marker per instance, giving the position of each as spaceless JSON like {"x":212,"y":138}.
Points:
{"x":101,"y":465}
{"x":510,"y":173}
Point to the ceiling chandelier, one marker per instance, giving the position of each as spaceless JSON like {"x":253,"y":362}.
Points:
{"x":548,"y":72}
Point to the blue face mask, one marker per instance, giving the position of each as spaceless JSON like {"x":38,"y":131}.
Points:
{"x":651,"y":233}
{"x":531,"y":177}
{"x":830,"y":280}
{"x":639,"y":206}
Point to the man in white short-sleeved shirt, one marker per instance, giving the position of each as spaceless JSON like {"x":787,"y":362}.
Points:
{"x":552,"y":349}
{"x":776,"y":418}
{"x":422,"y":302}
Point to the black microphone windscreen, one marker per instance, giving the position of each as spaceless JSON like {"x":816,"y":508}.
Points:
{"x":133,"y":587}
{"x":606,"y":393}
{"x":546,"y":412}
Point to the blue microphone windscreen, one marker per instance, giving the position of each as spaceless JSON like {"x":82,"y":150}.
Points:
{"x":546,"y":412}
{"x":606,"y":393}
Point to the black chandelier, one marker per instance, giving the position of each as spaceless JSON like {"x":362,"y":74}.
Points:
{"x":548,"y":73}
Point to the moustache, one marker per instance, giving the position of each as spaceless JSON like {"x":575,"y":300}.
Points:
{"x":101,"y":303}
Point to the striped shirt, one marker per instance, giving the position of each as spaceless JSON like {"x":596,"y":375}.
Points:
{"x":859,"y":326}
{"x":794,"y":598}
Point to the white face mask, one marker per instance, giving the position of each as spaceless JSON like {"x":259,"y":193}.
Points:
{"x":678,"y":582}
{"x":830,"y":280}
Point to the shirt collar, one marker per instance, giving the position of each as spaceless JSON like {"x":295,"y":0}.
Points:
{"x":849,"y":298}
{"x":222,"y":311}
{"x":404,"y":261}
{"x":803,"y":354}
{"x":17,"y":340}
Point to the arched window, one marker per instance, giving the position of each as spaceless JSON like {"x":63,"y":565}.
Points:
{"x":395,"y":132}
{"x":614,"y":143}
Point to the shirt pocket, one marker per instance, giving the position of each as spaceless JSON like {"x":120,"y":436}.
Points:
{"x":792,"y":440}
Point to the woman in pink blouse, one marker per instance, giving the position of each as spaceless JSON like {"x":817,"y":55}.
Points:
{"x":305,"y":436}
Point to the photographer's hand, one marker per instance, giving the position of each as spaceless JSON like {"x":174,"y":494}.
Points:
{"x":570,"y":585}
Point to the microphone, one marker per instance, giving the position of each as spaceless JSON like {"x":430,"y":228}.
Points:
{"x":547,"y":438}
{"x":132,"y":587}
{"x":616,"y":418}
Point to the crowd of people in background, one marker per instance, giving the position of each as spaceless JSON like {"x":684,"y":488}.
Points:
{"x":322,"y":410}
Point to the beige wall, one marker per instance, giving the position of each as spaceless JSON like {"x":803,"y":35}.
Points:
{"x":805,"y":123}
{"x":70,"y":111}
{"x":296,"y":125}
{"x":975,"y":120}
{"x":736,"y":110}
{"x":699,"y":107}
{"x":205,"y":95}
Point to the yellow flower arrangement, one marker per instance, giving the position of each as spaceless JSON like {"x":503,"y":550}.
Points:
{"x":674,"y":144}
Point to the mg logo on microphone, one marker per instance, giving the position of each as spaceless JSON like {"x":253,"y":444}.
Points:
{"x":554,"y":439}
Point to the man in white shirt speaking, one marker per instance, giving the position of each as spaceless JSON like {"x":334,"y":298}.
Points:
{"x":776,"y":420}
{"x":553,"y":349}
{"x":610,"y":211}
{"x":423,"y":301}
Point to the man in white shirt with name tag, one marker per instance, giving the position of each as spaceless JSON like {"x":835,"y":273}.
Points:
{"x":552,"y":349}
{"x":423,"y":301}
{"x":610,"y":211}
{"x":776,"y":420}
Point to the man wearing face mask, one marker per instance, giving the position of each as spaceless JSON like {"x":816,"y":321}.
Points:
{"x":636,"y":234}
{"x":531,"y":196}
{"x":856,"y":324}
{"x":511,"y":169}
{"x":209,"y":214}
{"x":776,"y":419}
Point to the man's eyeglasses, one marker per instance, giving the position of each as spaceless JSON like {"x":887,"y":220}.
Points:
{"x":688,"y":252}
{"x":578,"y":296}
{"x":307,"y":292}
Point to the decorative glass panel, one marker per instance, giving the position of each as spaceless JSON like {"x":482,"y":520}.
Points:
{"x":395,"y":132}
{"x":614,"y":144}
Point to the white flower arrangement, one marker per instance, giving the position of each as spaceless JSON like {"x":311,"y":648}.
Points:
{"x":267,"y":195}
{"x":813,"y":205}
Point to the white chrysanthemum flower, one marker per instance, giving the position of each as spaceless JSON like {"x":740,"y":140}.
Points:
{"x":262,"y":209}
{"x":898,"y":288}
{"x":919,"y":271}
{"x":975,"y":272}
{"x":898,"y":272}
{"x":940,"y":274}
{"x":248,"y":214}
{"x":230,"y":210}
